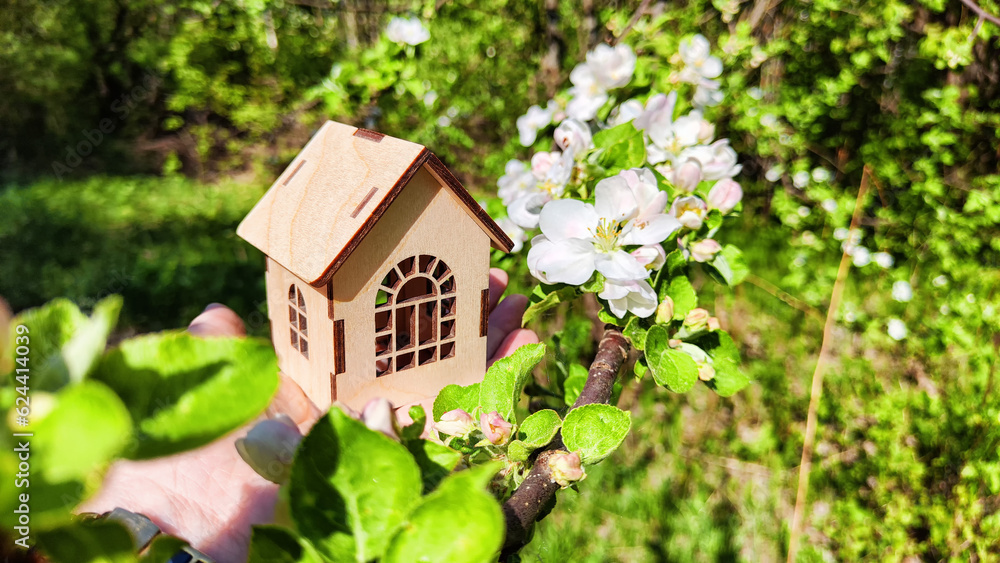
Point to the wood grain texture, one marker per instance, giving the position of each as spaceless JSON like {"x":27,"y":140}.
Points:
{"x":304,"y":222}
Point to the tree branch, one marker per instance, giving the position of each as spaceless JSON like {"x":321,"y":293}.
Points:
{"x":538,"y":490}
{"x":983,"y":14}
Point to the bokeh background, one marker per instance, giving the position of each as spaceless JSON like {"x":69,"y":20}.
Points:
{"x":134,"y":136}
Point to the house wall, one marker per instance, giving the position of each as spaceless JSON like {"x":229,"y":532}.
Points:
{"x":312,"y":374}
{"x":426,"y":218}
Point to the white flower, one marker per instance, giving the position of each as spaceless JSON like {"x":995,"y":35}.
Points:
{"x":829,"y":205}
{"x":690,"y":211}
{"x":516,"y":180}
{"x":820,"y":175}
{"x":800,"y":179}
{"x":685,"y":132}
{"x":636,"y":297}
{"x":704,"y":250}
{"x":557,"y":109}
{"x":861,"y":256}
{"x":529,"y":124}
{"x":612,"y":66}
{"x":940,"y":281}
{"x":773,"y":173}
{"x":573,"y":136}
{"x":883,"y":259}
{"x":524,"y":209}
{"x":625,"y":112}
{"x":541,"y":163}
{"x":841,"y":233}
{"x":696,"y":53}
{"x":707,"y":94}
{"x":456,"y":423}
{"x":652,"y":256}
{"x":724,"y":195}
{"x":896,"y":329}
{"x":659,"y":112}
{"x":902,"y":292}
{"x":588,"y":95}
{"x":718,"y":160}
{"x":514,"y":231}
{"x":686,"y":176}
{"x":407,"y":30}
{"x":803,"y":211}
{"x":578,"y":238}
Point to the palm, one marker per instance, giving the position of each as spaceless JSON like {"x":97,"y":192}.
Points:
{"x":209,"y":496}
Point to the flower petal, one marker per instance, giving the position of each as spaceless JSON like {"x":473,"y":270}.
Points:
{"x":653,"y":231}
{"x":614,"y":199}
{"x":568,"y":219}
{"x":568,"y":261}
{"x":620,"y":265}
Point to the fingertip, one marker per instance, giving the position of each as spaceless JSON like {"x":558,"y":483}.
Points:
{"x":516,"y":339}
{"x":498,"y":284}
{"x":217,"y":320}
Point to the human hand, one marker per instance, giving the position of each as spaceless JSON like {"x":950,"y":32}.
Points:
{"x":210,"y":496}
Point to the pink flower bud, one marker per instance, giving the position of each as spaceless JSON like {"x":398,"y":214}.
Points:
{"x":566,"y":468}
{"x":690,"y":211}
{"x":724,"y":195}
{"x":713,"y":323}
{"x":541,"y":162}
{"x":687,"y":175}
{"x":495,"y":428}
{"x":704,"y":250}
{"x":696,"y":319}
{"x":652,"y":256}
{"x":706,"y":372}
{"x":665,"y":310}
{"x":378,"y":415}
{"x":455,"y":423}
{"x":674,"y":342}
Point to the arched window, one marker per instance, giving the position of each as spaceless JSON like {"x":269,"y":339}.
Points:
{"x":414,"y":315}
{"x":297,"y":320}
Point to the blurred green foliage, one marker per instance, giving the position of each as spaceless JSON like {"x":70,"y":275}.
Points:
{"x":908,"y":450}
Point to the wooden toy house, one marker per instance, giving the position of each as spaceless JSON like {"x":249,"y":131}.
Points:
{"x":377,"y":270}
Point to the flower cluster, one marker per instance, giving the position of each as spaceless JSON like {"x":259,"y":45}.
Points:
{"x":408,"y":31}
{"x":597,"y":220}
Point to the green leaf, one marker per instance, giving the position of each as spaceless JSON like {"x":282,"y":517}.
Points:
{"x":635,"y":331}
{"x":518,"y":451}
{"x":595,"y":431}
{"x":574,"y":383}
{"x":606,"y":317}
{"x":640,"y":368}
{"x":683,"y":294}
{"x":176,"y":385}
{"x":50,"y":327}
{"x":458,"y":523}
{"x":726,"y":360}
{"x":671,"y":368}
{"x":504,"y":381}
{"x":436,"y":461}
{"x":274,"y":544}
{"x":97,"y":541}
{"x":414,"y":430}
{"x":545,"y":297}
{"x":731,"y":265}
{"x":539,"y":428}
{"x":351,"y":488}
{"x":456,"y":397}
{"x":83,"y":350}
{"x":88,"y":426}
{"x":620,"y":148}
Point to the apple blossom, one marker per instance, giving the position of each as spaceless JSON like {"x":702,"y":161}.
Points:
{"x":724,"y":195}
{"x":690,"y":211}
{"x":612,"y":66}
{"x":542,"y":161}
{"x":409,"y":31}
{"x":517,"y":179}
{"x":652,"y":256}
{"x":704,"y":250}
{"x":528,"y":124}
{"x":713,"y":324}
{"x":706,"y":372}
{"x":659,"y":112}
{"x":495,"y":428}
{"x":515,"y":232}
{"x":696,"y":52}
{"x":717,"y":160}
{"x":902,"y":292}
{"x":524,"y":209}
{"x":687,"y":175}
{"x":573,"y":136}
{"x":665,"y":310}
{"x":378,"y":414}
{"x":566,"y":468}
{"x":696,"y":319}
{"x":883,"y":259}
{"x":861,"y":256}
{"x":627,"y":111}
{"x":588,"y":95}
{"x":456,"y":423}
{"x":579,"y":238}
{"x":707,"y":94}
{"x":636,"y":297}
{"x":896,"y":329}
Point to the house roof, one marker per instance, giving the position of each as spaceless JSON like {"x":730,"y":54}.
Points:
{"x":332,"y":194}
